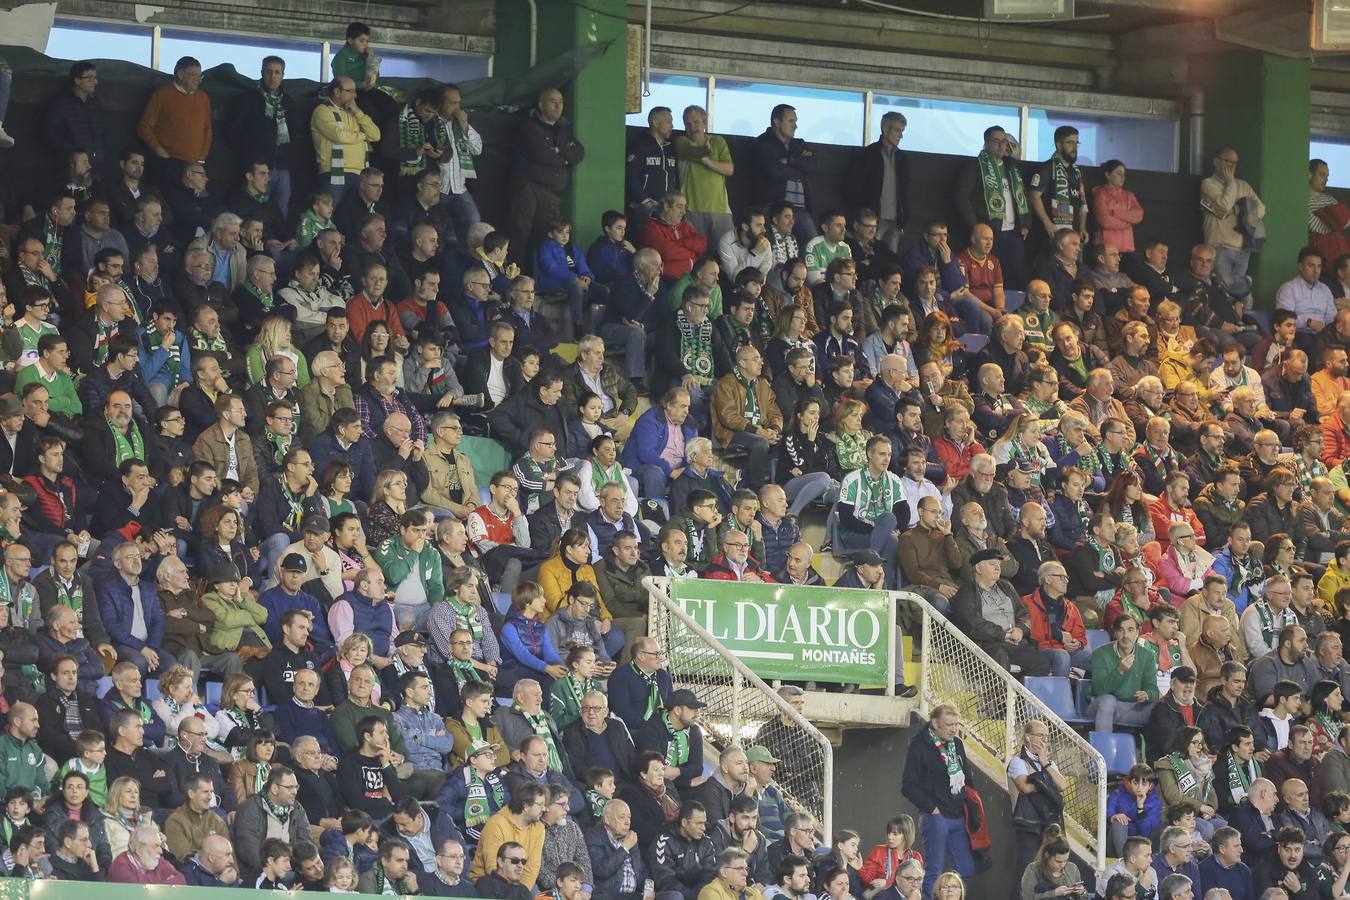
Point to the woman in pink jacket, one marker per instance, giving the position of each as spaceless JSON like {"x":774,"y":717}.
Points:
{"x":1116,"y":210}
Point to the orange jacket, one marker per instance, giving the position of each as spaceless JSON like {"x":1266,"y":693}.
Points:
{"x":1040,"y":625}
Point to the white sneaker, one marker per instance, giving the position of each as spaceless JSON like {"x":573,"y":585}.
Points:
{"x":5,"y":140}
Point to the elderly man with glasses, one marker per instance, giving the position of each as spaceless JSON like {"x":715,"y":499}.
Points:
{"x":640,"y":689}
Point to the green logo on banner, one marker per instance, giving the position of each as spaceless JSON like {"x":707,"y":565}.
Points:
{"x":788,"y":632}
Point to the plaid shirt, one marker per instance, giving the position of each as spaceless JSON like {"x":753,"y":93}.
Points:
{"x":396,"y":402}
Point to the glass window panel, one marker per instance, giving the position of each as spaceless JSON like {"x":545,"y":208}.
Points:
{"x":942,"y":126}
{"x":823,"y":116}
{"x":87,"y":40}
{"x":1336,"y":154}
{"x":244,"y":53}
{"x":674,"y":91}
{"x":1138,"y":142}
{"x":439,"y":66}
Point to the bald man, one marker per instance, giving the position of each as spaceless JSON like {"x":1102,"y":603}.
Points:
{"x":1254,"y":818}
{"x":983,"y":270}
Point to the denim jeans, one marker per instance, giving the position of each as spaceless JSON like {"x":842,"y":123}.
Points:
{"x":1107,"y":711}
{"x":280,"y":188}
{"x":1231,"y":267}
{"x":634,"y":343}
{"x":6,"y":83}
{"x":349,"y":181}
{"x":803,"y":490}
{"x":975,"y":319}
{"x":946,"y":847}
{"x":880,"y":539}
{"x":1061,"y":661}
{"x":464,"y":210}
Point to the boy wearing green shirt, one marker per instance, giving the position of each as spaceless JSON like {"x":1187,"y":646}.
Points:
{"x":1124,"y":678}
{"x":353,"y":59}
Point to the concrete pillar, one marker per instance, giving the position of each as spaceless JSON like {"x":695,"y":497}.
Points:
{"x":595,"y":101}
{"x":1260,"y":104}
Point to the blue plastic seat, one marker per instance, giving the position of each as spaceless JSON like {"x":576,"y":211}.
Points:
{"x":1096,"y":637}
{"x":1118,"y":750}
{"x":104,"y":685}
{"x":974,"y":343}
{"x":152,"y":689}
{"x":502,"y":601}
{"x":213,"y":695}
{"x":1057,"y":694}
{"x":1013,"y":299}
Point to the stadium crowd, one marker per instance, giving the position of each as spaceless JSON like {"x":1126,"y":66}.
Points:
{"x":234,"y":468}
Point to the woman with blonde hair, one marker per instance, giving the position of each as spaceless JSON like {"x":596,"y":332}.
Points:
{"x":355,"y":650}
{"x":850,"y":438}
{"x":388,"y":503}
{"x":789,"y":334}
{"x":1021,"y":444}
{"x":274,"y":339}
{"x":1173,"y":341}
{"x":949,"y":886}
{"x":123,"y":813}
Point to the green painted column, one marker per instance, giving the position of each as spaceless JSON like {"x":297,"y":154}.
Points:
{"x":595,"y":102}
{"x":1261,"y":105}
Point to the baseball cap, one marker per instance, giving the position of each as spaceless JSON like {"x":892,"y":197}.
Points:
{"x":760,"y":754}
{"x":292,"y":562}
{"x":684,"y":697}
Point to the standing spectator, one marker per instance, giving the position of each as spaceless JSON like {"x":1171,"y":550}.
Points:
{"x":342,"y":136}
{"x":1229,"y":204}
{"x":263,"y":124}
{"x":705,"y":166}
{"x":879,"y":180}
{"x":782,"y":162}
{"x":652,"y":170}
{"x":459,"y":143}
{"x":935,"y":778}
{"x":990,"y":190}
{"x":176,"y":122}
{"x":1116,"y":210}
{"x":546,"y":151}
{"x":75,"y":116}
{"x":1057,"y":195}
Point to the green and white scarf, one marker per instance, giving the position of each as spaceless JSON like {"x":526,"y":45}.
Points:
{"x":539,"y":723}
{"x":951,"y":758}
{"x":696,"y":348}
{"x":597,"y":802}
{"x":264,"y":297}
{"x":24,"y":606}
{"x":751,"y":410}
{"x":1187,"y":783}
{"x":464,"y":671}
{"x":412,"y":134}
{"x":281,"y":443}
{"x":467,"y":616}
{"x":1239,"y":782}
{"x":295,"y":503}
{"x":1061,"y":209}
{"x":126,"y":446}
{"x":677,"y":750}
{"x":260,"y":772}
{"x":52,"y":244}
{"x":153,"y":339}
{"x":653,"y":692}
{"x":476,"y":807}
{"x":991,"y":180}
{"x":1106,"y":556}
{"x":72,"y":598}
{"x":272,"y":109}
{"x":215,"y":345}
{"x":337,"y":166}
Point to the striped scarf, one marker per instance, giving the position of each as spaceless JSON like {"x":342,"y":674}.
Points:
{"x":337,"y":167}
{"x":174,"y":364}
{"x":412,"y":134}
{"x":272,"y":109}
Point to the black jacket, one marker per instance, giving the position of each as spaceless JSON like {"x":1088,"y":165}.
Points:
{"x":651,"y":170}
{"x":649,"y":821}
{"x":924,"y":782}
{"x":546,"y":154}
{"x":776,"y":165}
{"x":252,"y":134}
{"x":545,"y":529}
{"x":520,"y":414}
{"x":1163,"y":721}
{"x":865,"y":180}
{"x":577,"y":745}
{"x":678,"y":864}
{"x":970,"y":196}
{"x":72,"y":122}
{"x":55,"y":741}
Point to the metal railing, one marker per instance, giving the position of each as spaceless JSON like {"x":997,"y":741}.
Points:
{"x":995,"y":708}
{"x":742,"y":708}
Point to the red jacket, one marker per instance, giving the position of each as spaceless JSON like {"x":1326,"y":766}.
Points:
{"x":875,"y":866}
{"x":1163,"y":515}
{"x":956,"y":461}
{"x":1040,"y":626}
{"x":1335,"y":441}
{"x":679,"y":245}
{"x":718,"y":570}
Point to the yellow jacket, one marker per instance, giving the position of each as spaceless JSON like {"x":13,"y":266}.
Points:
{"x":501,"y":829}
{"x":329,"y":125}
{"x":1331,"y":583}
{"x":555,"y":578}
{"x":718,"y":889}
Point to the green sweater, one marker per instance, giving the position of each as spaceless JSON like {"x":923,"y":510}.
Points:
{"x":63,"y":398}
{"x":1142,"y":676}
{"x":232,"y":617}
{"x":21,"y":765}
{"x":351,"y":64}
{"x":396,"y":560}
{"x":347,"y":714}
